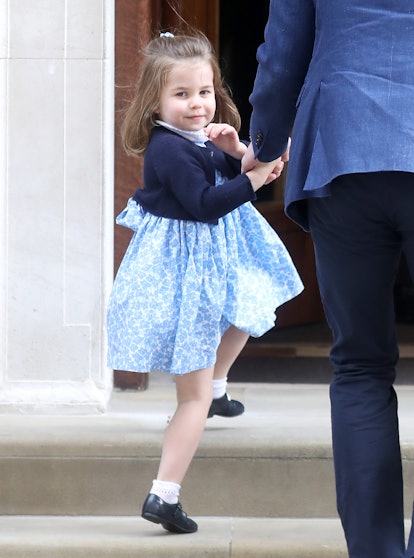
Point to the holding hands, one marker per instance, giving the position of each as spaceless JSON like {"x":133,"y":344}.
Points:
{"x":273,"y":168}
{"x":226,"y":138}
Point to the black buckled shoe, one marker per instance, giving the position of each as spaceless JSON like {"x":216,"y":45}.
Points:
{"x":225,"y":407}
{"x":171,"y":516}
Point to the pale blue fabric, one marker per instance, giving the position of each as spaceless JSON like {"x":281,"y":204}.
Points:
{"x":182,"y":283}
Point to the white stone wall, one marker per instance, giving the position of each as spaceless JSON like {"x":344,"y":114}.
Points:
{"x":56,"y":199}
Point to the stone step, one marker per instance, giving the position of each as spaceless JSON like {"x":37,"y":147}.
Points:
{"x":273,"y":461}
{"x":126,"y":537}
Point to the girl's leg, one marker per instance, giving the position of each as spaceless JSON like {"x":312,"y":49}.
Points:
{"x":183,"y":434}
{"x":232,"y":343}
{"x":181,"y":439}
{"x":194,"y":396}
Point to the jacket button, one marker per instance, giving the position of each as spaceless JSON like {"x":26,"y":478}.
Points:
{"x":259,"y":138}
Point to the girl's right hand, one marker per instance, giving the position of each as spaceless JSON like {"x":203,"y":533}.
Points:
{"x":226,"y":138}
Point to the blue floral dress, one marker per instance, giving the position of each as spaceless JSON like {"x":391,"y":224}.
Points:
{"x":181,"y":284}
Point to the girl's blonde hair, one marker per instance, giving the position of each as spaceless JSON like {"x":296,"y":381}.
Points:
{"x":160,"y":56}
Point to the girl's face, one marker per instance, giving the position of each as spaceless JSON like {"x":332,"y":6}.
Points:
{"x":187,"y":100}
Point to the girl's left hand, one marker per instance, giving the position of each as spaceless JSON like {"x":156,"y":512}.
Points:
{"x":226,"y":138}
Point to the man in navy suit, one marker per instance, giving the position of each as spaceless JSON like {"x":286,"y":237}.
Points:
{"x":341,"y":74}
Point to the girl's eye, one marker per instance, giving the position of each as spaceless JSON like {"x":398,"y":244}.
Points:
{"x":181,"y":94}
{"x":205,"y":92}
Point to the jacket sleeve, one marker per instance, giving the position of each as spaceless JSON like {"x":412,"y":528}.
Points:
{"x":185,"y":176}
{"x":283,"y":63}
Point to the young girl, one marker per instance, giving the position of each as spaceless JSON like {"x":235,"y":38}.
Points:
{"x":204,"y":270}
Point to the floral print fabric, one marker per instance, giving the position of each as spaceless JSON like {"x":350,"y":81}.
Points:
{"x":182,"y":283}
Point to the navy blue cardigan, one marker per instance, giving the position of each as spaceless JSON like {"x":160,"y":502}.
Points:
{"x":179,"y":180}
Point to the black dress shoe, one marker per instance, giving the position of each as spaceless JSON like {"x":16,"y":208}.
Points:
{"x":171,"y":516}
{"x":225,"y":407}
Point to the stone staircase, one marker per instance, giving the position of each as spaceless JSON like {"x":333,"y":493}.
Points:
{"x":261,"y":485}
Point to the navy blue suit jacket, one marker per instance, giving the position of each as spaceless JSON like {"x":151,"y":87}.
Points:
{"x":341,"y":73}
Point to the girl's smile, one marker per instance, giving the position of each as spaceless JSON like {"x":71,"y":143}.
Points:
{"x":188,"y":100}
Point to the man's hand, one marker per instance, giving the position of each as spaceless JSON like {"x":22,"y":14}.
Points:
{"x":249,"y":163}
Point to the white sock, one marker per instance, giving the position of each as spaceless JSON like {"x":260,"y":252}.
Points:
{"x":219,"y":388}
{"x":167,"y":491}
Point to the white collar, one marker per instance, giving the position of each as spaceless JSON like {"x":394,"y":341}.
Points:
{"x":198,"y":136}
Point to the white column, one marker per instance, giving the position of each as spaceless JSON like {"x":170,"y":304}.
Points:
{"x":56,"y":197}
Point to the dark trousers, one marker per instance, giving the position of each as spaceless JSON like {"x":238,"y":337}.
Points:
{"x":358,"y":234}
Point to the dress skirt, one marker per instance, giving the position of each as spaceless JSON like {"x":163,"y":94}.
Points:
{"x":181,"y":284}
